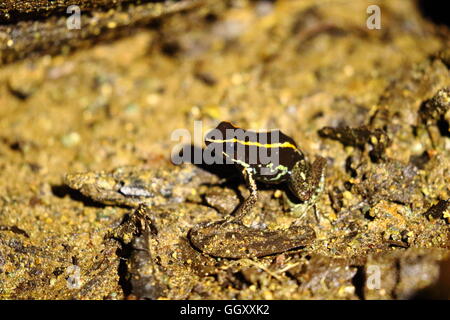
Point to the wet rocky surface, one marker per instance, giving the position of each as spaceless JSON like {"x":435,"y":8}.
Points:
{"x":93,"y":208}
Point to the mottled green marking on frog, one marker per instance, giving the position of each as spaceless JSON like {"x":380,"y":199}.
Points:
{"x":305,"y":180}
{"x":282,"y":170}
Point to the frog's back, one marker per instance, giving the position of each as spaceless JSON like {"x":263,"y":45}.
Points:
{"x":268,"y":155}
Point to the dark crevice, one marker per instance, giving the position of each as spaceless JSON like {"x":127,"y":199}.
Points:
{"x":14,"y":229}
{"x":444,"y":127}
{"x":124,"y":253}
{"x":239,"y":281}
{"x":358,"y":282}
{"x":397,"y":269}
{"x":435,"y":11}
{"x":62,"y":191}
{"x":420,"y":160}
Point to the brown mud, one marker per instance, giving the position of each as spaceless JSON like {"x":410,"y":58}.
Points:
{"x":80,"y":112}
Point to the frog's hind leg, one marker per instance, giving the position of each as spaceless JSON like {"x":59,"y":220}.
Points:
{"x":250,"y":202}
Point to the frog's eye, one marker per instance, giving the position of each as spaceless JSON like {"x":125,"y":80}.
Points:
{"x":225,"y":125}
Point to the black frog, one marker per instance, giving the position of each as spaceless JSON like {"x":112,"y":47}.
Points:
{"x":269,"y":157}
{"x":283,"y":161}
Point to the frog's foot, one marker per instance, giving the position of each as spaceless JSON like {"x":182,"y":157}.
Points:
{"x":298,"y":210}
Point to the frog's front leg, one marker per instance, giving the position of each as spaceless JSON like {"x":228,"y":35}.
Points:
{"x":250,"y":202}
{"x":306,"y":183}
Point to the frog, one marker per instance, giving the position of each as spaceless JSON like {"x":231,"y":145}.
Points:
{"x":230,"y":238}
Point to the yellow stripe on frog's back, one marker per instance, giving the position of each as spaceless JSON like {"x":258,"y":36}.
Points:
{"x":255,"y":143}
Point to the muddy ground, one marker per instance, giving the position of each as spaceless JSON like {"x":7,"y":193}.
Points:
{"x":76,"y":114}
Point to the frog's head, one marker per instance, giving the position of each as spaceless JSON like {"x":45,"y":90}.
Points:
{"x":221,"y":132}
{"x":222,"y":138}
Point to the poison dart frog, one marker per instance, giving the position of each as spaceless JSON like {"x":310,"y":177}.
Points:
{"x":270,"y":157}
